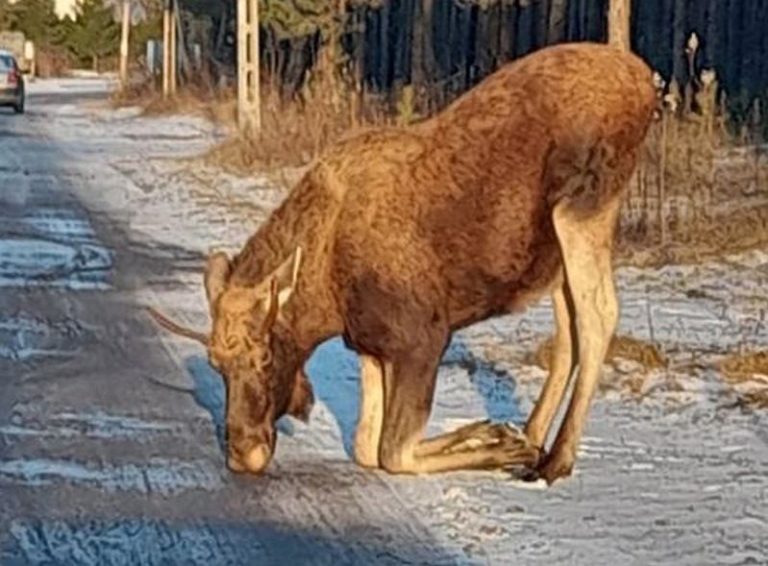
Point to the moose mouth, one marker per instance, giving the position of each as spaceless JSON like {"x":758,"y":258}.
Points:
{"x":255,"y":460}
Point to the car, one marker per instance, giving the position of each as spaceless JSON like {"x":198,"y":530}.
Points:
{"x":11,"y":83}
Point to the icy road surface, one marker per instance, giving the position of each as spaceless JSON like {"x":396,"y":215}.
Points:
{"x":110,"y":433}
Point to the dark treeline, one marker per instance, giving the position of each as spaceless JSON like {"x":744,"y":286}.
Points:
{"x":438,"y":41}
{"x":443,"y":47}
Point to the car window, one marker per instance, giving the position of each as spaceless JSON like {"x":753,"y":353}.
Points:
{"x":6,"y":63}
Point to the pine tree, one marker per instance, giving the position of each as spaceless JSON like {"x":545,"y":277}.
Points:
{"x":6,"y":15}
{"x":94,"y":34}
{"x":36,"y":18}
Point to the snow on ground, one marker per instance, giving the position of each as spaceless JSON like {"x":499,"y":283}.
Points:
{"x":673,"y":475}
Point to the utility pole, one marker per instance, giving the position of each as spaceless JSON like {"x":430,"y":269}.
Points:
{"x":619,"y":13}
{"x":124,"y":43}
{"x":174,"y":57}
{"x":248,"y":87}
{"x":169,"y":48}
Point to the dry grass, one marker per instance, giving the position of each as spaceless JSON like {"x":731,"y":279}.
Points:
{"x":294,"y":132}
{"x":700,"y":191}
{"x":740,"y":366}
{"x":637,"y":369}
{"x":621,"y":347}
{"x":747,"y":373}
{"x":217,"y":105}
{"x":52,"y":63}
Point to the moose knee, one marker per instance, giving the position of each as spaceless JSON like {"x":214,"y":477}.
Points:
{"x":396,"y":460}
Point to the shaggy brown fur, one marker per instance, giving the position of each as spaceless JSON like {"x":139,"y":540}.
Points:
{"x":397,"y":237}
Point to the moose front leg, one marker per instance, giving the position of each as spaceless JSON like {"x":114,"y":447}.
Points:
{"x":586,"y":245}
{"x":563,"y":360}
{"x":409,"y":384}
{"x":368,"y":432}
{"x":481,"y":433}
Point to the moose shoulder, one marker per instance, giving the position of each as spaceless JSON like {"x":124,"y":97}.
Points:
{"x":397,"y":237}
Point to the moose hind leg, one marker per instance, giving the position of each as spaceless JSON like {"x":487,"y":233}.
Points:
{"x":586,"y":245}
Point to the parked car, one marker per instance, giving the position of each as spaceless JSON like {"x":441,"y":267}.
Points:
{"x":11,"y":83}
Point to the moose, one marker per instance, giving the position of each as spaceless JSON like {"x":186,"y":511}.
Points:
{"x":398,"y":236}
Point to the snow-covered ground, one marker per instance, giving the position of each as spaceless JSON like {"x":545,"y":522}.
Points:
{"x":669,"y":472}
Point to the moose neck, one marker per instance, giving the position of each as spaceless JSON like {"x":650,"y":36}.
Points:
{"x":303,"y":220}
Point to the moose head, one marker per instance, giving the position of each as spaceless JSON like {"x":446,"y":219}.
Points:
{"x":251,"y":346}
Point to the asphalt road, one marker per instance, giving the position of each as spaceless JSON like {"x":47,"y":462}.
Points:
{"x":103,"y":462}
{"x":110,"y":433}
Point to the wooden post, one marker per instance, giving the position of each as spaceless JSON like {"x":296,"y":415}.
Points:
{"x":124,"y":43}
{"x":619,"y":13}
{"x":248,"y":86}
{"x":166,"y":48}
{"x":174,"y":56}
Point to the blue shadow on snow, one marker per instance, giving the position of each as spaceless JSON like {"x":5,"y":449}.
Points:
{"x":334,"y":372}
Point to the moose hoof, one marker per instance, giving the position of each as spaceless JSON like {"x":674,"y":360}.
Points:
{"x":555,"y":468}
{"x":547,"y":468}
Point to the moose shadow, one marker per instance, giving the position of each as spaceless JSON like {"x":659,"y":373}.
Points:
{"x":210,"y":394}
{"x":333,"y":370}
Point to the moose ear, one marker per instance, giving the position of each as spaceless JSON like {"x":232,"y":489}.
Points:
{"x":217,"y":270}
{"x":282,"y":283}
{"x":286,"y":277}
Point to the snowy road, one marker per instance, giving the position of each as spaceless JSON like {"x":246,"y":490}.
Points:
{"x":110,"y":433}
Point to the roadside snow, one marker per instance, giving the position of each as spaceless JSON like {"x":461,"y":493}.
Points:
{"x":671,"y":476}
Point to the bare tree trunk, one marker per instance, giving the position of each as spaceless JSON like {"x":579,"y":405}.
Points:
{"x":384,"y":46}
{"x":180,"y":46}
{"x":524,"y":28}
{"x":126,"y":30}
{"x":679,"y":42}
{"x":492,"y":37}
{"x":540,"y":24}
{"x":360,"y":15}
{"x":403,"y":43}
{"x":734,"y":50}
{"x":509,"y":31}
{"x":619,"y":12}
{"x":418,"y":32}
{"x":557,"y":20}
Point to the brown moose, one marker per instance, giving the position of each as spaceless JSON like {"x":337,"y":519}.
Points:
{"x":399,"y":236}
